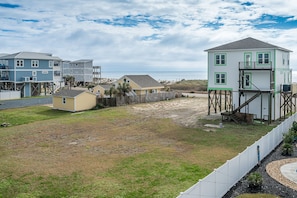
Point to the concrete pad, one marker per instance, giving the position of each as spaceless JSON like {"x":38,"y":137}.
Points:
{"x":290,"y":171}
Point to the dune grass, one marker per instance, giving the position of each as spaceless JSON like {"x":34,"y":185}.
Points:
{"x":110,"y":153}
{"x":190,"y":85}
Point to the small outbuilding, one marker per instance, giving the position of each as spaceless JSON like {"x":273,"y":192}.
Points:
{"x":74,"y":100}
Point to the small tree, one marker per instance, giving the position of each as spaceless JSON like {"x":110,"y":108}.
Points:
{"x":111,"y":92}
{"x":123,"y":88}
{"x":69,"y":79}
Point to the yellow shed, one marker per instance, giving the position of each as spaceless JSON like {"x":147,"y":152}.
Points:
{"x":74,"y":100}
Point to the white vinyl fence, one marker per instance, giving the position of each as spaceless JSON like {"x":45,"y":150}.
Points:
{"x":8,"y":95}
{"x":221,"y":180}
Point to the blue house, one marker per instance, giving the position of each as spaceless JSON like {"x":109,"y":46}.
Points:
{"x":31,"y":73}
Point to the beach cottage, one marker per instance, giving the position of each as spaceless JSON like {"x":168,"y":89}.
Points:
{"x":250,"y":78}
{"x":141,"y":84}
{"x":74,"y":100}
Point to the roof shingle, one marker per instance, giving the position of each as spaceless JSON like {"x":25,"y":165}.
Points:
{"x":247,"y":43}
{"x":144,"y":81}
{"x":68,"y":93}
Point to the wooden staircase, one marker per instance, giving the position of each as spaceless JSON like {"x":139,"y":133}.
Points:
{"x":247,"y":102}
{"x":232,"y":115}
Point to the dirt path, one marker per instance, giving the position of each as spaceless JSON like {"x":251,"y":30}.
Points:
{"x":184,"y":111}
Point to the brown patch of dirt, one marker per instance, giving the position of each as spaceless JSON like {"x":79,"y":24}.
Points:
{"x":183,"y":111}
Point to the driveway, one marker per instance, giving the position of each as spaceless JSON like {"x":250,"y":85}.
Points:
{"x":25,"y":102}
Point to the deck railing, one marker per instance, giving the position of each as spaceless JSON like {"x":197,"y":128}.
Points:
{"x":255,"y":65}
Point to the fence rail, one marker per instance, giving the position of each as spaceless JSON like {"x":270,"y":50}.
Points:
{"x":221,"y":180}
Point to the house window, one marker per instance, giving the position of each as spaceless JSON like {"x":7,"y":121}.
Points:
{"x":263,"y":58}
{"x":220,"y":78}
{"x":20,"y":63}
{"x":50,"y":64}
{"x":247,"y":59}
{"x":56,"y":63}
{"x":34,"y":63}
{"x":34,"y":73}
{"x":64,"y":100}
{"x":57,"y":73}
{"x":220,"y":59}
{"x":247,"y":80}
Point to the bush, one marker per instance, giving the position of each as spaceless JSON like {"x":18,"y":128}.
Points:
{"x":255,"y":180}
{"x":287,"y":149}
{"x":294,"y":127}
{"x":289,"y":137}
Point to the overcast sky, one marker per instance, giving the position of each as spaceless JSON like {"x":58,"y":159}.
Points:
{"x":144,"y":35}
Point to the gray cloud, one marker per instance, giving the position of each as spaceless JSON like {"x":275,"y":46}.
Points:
{"x":151,"y":33}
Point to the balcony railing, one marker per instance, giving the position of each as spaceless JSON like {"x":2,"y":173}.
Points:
{"x":4,"y":78}
{"x":3,"y":67}
{"x":255,"y":65}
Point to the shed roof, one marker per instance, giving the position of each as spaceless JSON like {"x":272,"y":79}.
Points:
{"x":247,"y":43}
{"x":144,"y":81}
{"x":31,"y":55}
{"x":69,"y":93}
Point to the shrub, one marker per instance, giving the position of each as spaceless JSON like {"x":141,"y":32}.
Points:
{"x":287,"y":149}
{"x":294,"y":126}
{"x":255,"y":180}
{"x":289,"y":137}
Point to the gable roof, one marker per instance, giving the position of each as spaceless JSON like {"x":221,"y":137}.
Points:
{"x":247,"y":43}
{"x":144,"y":81}
{"x":30,"y":55}
{"x":69,"y":93}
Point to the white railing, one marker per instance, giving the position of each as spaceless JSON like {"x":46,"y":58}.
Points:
{"x":221,"y":180}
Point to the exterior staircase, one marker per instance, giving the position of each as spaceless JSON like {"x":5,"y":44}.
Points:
{"x":247,"y":102}
{"x":232,"y":115}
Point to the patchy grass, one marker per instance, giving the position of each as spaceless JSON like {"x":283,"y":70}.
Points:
{"x":29,"y":114}
{"x":110,"y":153}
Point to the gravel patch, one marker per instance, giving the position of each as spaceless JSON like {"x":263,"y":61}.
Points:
{"x":271,"y":185}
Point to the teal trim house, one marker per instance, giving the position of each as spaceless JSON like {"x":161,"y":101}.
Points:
{"x":251,"y":78}
{"x":32,"y":73}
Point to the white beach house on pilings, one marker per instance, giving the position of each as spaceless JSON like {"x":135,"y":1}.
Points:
{"x":249,"y":77}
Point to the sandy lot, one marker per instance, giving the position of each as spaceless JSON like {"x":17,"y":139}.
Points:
{"x":184,"y":111}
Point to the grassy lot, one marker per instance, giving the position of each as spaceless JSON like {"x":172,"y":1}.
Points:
{"x":110,"y":153}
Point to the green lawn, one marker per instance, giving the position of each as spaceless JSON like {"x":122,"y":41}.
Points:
{"x":110,"y":153}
